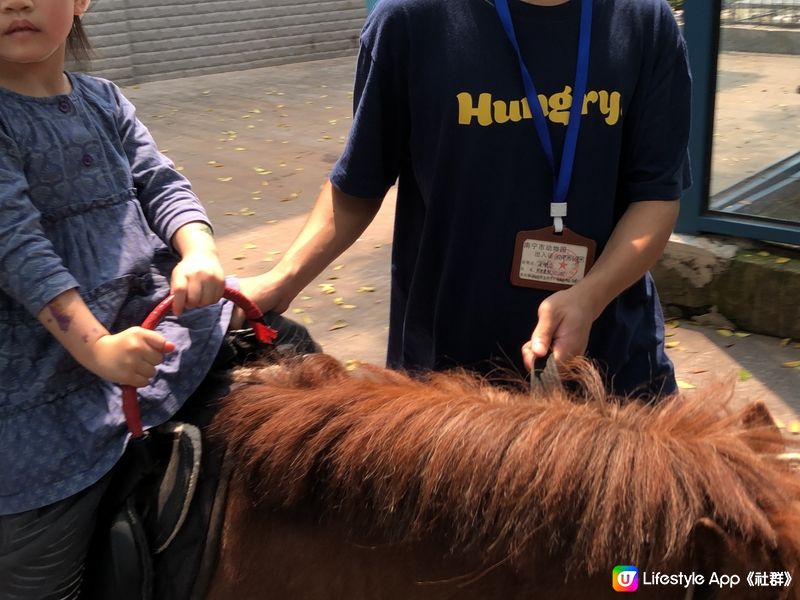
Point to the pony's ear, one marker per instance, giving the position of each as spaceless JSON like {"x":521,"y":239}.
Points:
{"x":710,"y":546}
{"x":757,"y":416}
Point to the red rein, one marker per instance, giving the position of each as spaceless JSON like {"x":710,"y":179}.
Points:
{"x":265,"y":335}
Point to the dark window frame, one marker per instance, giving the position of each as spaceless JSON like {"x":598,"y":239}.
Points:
{"x":702,"y":32}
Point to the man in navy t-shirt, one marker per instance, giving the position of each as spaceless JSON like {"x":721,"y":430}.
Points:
{"x":441,"y":104}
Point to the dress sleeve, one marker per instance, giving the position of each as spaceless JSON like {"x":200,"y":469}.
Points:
{"x":31,"y":272}
{"x":166,"y":196}
{"x":379,"y":135}
{"x":656,"y":162}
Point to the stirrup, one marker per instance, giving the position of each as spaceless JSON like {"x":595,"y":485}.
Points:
{"x":166,"y":510}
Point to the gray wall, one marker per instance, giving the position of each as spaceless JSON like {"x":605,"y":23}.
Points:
{"x":147,"y":40}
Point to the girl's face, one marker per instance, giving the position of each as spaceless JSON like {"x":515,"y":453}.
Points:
{"x":33,"y":31}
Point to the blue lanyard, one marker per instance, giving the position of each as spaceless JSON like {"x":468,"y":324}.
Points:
{"x":563,"y":174}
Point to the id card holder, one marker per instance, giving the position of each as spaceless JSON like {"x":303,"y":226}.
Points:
{"x":547,"y":260}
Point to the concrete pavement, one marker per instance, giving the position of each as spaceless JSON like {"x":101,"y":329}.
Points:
{"x":258,"y":144}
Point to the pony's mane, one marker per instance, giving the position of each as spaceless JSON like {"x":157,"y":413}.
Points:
{"x":611,"y":480}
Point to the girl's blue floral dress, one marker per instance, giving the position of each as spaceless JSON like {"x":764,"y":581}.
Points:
{"x":86,"y":202}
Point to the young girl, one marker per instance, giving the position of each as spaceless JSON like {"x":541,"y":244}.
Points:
{"x":96,"y":226}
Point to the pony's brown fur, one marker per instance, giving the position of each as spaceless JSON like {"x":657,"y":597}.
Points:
{"x":613,"y":481}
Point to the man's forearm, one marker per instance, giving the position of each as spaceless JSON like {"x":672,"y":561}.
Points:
{"x":335,"y":223}
{"x":634,"y":247}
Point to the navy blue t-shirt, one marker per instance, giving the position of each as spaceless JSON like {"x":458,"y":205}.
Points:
{"x":439,"y":103}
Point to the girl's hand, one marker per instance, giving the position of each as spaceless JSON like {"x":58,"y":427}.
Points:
{"x":198,"y":280}
{"x":129,"y":357}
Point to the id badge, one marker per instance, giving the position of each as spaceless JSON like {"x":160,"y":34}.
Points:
{"x":546,"y":260}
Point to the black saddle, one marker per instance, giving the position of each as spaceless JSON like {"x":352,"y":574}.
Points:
{"x":154,"y":491}
{"x":157,"y":535}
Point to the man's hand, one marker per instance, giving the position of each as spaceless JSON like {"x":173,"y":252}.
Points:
{"x":566,"y":317}
{"x":565,"y":320}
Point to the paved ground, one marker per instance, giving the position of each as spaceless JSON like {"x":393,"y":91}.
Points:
{"x":258,"y":144}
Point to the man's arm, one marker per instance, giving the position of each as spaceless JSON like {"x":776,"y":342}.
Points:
{"x":566,"y":317}
{"x":335,"y":222}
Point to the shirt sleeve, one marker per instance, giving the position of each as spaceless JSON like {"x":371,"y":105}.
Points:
{"x":656,"y":161}
{"x":166,"y":196}
{"x":31,"y":272}
{"x":379,"y":135}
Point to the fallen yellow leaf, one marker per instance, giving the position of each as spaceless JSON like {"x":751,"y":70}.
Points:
{"x":779,"y":423}
{"x":338,"y":267}
{"x":672,"y":344}
{"x":327,"y":288}
{"x":792,"y":364}
{"x":685,"y":386}
{"x":298,"y":311}
{"x":338,"y":301}
{"x":250,"y":246}
{"x":351,"y":365}
{"x":794,"y":427}
{"x":673,"y":324}
{"x":725,"y":332}
{"x":340,"y":324}
{"x":782,"y":260}
{"x":764,"y":253}
{"x":365,"y":288}
{"x":785,"y":342}
{"x":224,"y":179}
{"x":742,"y":334}
{"x":348,"y":306}
{"x":744,"y":375}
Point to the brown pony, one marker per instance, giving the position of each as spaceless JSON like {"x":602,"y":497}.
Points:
{"x":374,"y":485}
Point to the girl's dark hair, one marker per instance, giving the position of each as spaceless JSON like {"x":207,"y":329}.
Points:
{"x":78,"y":46}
